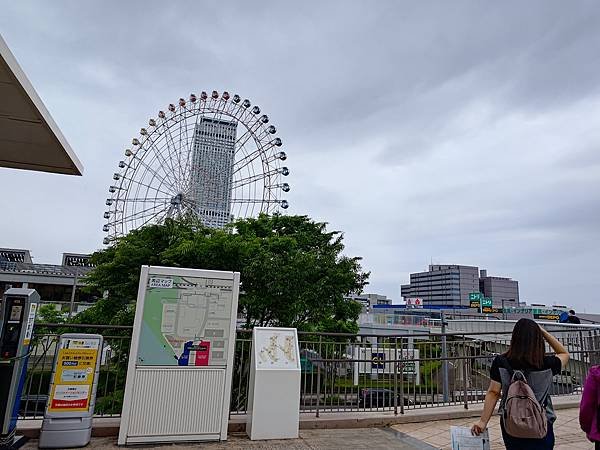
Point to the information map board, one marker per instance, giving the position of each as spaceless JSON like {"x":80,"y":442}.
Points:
{"x":180,"y":364}
{"x":186,"y":321}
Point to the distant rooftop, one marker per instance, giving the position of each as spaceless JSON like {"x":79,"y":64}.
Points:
{"x":15,"y":255}
{"x":43,"y":269}
{"x":19,"y":260}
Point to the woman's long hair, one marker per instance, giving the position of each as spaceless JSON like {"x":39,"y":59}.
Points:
{"x":527,"y":346}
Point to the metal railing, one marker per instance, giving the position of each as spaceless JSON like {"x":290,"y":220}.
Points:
{"x":339,"y":372}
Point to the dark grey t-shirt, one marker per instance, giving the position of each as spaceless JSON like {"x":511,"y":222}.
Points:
{"x":540,"y":380}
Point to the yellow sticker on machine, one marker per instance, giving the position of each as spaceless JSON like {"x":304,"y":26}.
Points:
{"x":73,"y":378}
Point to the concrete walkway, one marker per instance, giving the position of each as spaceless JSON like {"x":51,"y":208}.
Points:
{"x":425,"y":429}
{"x":437,"y":434}
{"x":370,"y":438}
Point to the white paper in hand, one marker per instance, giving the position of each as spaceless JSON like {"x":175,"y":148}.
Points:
{"x":462,"y":439}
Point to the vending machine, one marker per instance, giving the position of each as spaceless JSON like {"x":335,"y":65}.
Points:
{"x":17,"y":317}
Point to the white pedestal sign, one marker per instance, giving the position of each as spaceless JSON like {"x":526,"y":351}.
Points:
{"x":274,"y":392}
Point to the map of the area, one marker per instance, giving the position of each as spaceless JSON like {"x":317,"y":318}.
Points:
{"x":186,"y":321}
{"x":276,"y":348}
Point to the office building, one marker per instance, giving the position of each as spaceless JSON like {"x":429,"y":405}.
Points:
{"x":212,"y":170}
{"x":450,"y":285}
{"x":443,"y":285}
{"x":502,"y":291}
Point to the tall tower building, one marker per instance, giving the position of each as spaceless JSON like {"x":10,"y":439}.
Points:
{"x":212,"y":171}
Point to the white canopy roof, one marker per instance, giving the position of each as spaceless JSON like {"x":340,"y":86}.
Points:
{"x":29,"y":137}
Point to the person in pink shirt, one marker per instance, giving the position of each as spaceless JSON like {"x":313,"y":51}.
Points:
{"x":589,"y":408}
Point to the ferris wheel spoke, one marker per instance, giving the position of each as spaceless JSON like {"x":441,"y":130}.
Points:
{"x":254,"y":201}
{"x":154,"y":188}
{"x":187,"y":169}
{"x":143,"y":213}
{"x":164,"y":179}
{"x":167,"y":161}
{"x":163,"y":164}
{"x":182,"y":146}
{"x":246,"y":160}
{"x":251,"y":179}
{"x":142,"y":199}
{"x":250,"y":132}
{"x":157,"y":215}
{"x":189,"y":145}
{"x":172,"y":149}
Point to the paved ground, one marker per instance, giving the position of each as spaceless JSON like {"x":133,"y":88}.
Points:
{"x":566,"y":429}
{"x":358,"y":438}
{"x":430,"y":431}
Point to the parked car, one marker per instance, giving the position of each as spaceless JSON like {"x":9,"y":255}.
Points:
{"x":379,"y":398}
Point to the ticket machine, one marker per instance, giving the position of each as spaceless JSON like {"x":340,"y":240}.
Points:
{"x":17,"y":316}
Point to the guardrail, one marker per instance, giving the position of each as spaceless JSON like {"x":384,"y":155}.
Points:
{"x":340,"y":372}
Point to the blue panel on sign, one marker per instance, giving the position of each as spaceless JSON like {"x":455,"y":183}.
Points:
{"x":378,"y":360}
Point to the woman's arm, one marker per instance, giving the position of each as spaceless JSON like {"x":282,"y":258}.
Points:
{"x":491,"y":398}
{"x":559,"y":349}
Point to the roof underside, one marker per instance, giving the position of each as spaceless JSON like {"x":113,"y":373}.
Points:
{"x":29,"y":137}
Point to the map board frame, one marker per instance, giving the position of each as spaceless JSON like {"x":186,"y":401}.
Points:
{"x":154,"y":417}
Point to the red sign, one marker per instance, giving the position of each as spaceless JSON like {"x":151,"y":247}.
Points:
{"x":68,"y":404}
{"x":414,"y":302}
{"x":200,"y":353}
{"x":70,"y":397}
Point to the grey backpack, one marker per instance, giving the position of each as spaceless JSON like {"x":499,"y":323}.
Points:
{"x":524,"y":416}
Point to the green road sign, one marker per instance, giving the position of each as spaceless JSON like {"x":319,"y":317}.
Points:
{"x":475,"y":296}
{"x":486,"y":302}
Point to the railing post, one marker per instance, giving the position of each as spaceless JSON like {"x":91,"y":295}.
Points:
{"x":401,"y":378}
{"x":583,"y":358}
{"x":396,"y":363}
{"x":319,"y":375}
{"x":445,"y":384}
{"x":465,"y":390}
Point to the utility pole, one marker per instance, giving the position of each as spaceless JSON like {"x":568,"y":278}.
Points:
{"x":73,"y":292}
{"x":445,"y":386}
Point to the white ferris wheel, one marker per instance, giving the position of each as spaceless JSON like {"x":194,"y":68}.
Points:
{"x":213,"y":156}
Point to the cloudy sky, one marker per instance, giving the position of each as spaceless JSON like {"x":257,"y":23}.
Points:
{"x":452,"y":132}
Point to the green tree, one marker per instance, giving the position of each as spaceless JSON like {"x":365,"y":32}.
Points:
{"x":49,"y":314}
{"x":293,"y":272}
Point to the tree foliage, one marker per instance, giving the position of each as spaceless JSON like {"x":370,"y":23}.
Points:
{"x":293,"y":272}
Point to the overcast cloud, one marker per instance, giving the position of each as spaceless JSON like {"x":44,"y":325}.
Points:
{"x":452,"y":132}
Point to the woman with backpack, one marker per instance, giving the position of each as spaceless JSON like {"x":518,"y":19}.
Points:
{"x":521,"y":379}
{"x":589,"y":408}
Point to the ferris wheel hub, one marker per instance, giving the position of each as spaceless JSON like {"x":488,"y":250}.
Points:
{"x":177,"y":199}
